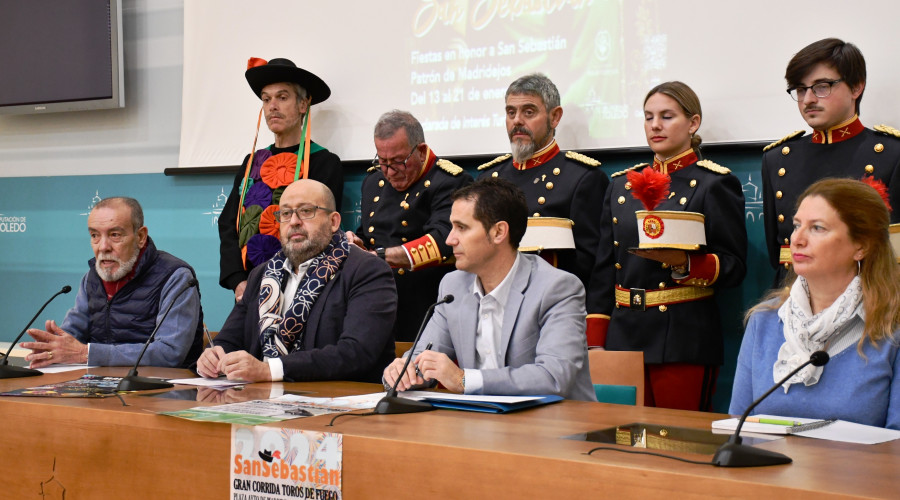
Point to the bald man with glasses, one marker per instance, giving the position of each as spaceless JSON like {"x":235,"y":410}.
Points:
{"x":405,"y":220}
{"x":320,"y":309}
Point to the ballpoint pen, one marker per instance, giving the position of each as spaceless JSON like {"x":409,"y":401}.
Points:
{"x":428,"y":347}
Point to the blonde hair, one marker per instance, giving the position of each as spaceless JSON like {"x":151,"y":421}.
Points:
{"x":687,"y":99}
{"x":864,"y":212}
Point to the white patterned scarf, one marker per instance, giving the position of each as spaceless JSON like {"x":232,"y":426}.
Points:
{"x":281,"y":334}
{"x":805,"y":333}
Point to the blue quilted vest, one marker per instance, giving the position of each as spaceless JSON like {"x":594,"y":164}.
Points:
{"x":130,"y":316}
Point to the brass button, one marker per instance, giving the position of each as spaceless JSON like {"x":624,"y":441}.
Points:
{"x":663,"y":432}
{"x":428,"y":244}
{"x":879,"y":147}
{"x":372,"y":241}
{"x":615,"y":220}
{"x":405,"y":205}
{"x":556,"y":171}
{"x":785,"y":150}
{"x":618,"y":266}
{"x":621,"y":200}
{"x":403,"y":240}
{"x":781,"y":172}
{"x":664,"y":265}
{"x":427,"y":183}
{"x":693,"y":182}
{"x":495,"y":174}
{"x":661,"y":285}
{"x":371,"y":214}
{"x":663,"y":308}
{"x":671,"y":195}
{"x":401,"y":272}
{"x":780,"y":217}
{"x":541,"y":200}
{"x":381,"y":183}
{"x":787,"y":241}
{"x":371,"y":229}
{"x":869,"y":169}
{"x":549,"y":186}
{"x":615,"y":243}
{"x":627,"y":185}
{"x":683,"y":200}
{"x":536,"y":214}
{"x":376,"y":199}
{"x":404,"y":223}
{"x":778,"y":194}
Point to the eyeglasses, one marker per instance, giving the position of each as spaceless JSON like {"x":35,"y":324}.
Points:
{"x":821,"y":89}
{"x":303,"y":213}
{"x":393,"y":165}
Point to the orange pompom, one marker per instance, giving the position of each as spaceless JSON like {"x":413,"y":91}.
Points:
{"x":255,"y":61}
{"x":279,"y":170}
{"x":649,"y":186}
{"x":268,"y":223}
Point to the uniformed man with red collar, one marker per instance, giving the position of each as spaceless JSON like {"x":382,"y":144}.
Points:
{"x":827,"y":79}
{"x":405,"y":219}
{"x":556,"y":184}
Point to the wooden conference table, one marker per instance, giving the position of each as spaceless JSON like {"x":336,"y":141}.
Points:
{"x":98,"y":448}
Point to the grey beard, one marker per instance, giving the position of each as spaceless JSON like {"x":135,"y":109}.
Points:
{"x":124,"y":268}
{"x":521,"y":151}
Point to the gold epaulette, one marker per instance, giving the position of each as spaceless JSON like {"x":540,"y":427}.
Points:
{"x":621,"y":172}
{"x":450,"y":167}
{"x":713,"y":167}
{"x":587,"y":160}
{"x":886,"y":129}
{"x":494,"y":161}
{"x":796,"y":133}
{"x":371,"y":169}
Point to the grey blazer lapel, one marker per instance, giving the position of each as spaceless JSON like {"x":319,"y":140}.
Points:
{"x":467,"y":319}
{"x":514,"y":303}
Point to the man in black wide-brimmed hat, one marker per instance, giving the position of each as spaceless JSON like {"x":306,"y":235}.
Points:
{"x":248,"y":232}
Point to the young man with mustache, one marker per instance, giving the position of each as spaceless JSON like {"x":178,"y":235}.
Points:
{"x":827,"y":79}
{"x":122,"y":298}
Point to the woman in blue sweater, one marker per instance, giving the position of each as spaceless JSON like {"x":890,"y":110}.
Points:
{"x":844,"y":299}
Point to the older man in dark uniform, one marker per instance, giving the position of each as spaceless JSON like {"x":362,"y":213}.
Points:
{"x":248,"y":232}
{"x":406,"y":215}
{"x":827,"y":79}
{"x":567,"y":185}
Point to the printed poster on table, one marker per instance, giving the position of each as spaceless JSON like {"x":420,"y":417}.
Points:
{"x":271,"y":463}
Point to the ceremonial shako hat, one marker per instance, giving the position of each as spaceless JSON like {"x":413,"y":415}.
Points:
{"x":547,"y":233}
{"x":663,"y":228}
{"x":670,"y":229}
{"x":261,"y":73}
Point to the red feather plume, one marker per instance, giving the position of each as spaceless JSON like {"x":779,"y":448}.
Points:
{"x":880,"y":188}
{"x":649,"y":186}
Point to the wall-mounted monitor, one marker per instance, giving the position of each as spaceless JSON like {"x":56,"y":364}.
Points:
{"x":60,"y":55}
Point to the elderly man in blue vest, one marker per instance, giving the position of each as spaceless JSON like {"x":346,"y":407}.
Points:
{"x":122,"y":298}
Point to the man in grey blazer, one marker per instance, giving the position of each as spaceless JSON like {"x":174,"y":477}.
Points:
{"x":516,"y":325}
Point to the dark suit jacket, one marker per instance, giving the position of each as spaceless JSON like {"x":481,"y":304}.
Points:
{"x":349,"y":331}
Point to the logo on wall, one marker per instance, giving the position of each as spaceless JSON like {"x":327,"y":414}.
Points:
{"x":753,"y":203}
{"x":96,"y":199}
{"x":12,"y":224}
{"x":217,"y":207}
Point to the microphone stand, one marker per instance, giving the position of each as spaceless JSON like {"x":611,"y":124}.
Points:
{"x":391,"y":403}
{"x":735,"y":454}
{"x":9,"y":371}
{"x":132,"y":382}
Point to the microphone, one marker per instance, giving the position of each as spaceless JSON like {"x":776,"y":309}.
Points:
{"x":132,"y":382}
{"x":735,"y":454}
{"x":9,"y":371}
{"x":392,"y":403}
